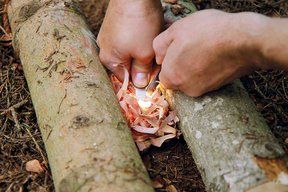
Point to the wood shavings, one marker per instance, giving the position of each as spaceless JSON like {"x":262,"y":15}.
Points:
{"x":152,"y":124}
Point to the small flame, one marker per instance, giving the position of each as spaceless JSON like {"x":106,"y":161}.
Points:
{"x":144,"y":104}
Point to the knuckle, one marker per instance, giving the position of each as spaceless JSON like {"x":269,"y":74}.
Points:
{"x":171,"y":80}
{"x":145,"y":56}
{"x":104,"y":58}
{"x":177,"y":81}
{"x":156,"y":43}
{"x":160,"y":51}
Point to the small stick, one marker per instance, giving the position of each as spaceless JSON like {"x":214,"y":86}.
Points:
{"x":36,"y":143}
{"x":5,"y":17}
{"x":62,"y":101}
{"x":15,"y":119}
{"x":13,"y":107}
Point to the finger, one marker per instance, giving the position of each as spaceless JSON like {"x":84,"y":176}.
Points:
{"x":169,"y":75}
{"x":165,"y":80}
{"x":114,"y":65}
{"x":140,"y":72}
{"x":117,"y":70}
{"x":161,"y":44}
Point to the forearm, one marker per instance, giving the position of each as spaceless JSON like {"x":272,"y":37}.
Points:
{"x":275,"y":43}
{"x":263,"y":41}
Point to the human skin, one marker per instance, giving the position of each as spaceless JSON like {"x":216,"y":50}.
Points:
{"x":199,"y":53}
{"x":126,"y":36}
{"x":211,"y":48}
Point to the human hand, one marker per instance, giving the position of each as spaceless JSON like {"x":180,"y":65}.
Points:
{"x":126,"y":36}
{"x":208,"y":49}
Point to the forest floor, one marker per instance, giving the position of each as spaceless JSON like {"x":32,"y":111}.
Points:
{"x":171,"y":165}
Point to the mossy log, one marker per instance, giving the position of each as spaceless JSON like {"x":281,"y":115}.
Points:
{"x":88,"y":142}
{"x":232,"y":145}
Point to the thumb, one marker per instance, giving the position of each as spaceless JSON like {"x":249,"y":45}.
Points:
{"x":161,"y":44}
{"x":140,"y":73}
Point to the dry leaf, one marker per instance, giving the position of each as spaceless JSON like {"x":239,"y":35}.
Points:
{"x":171,"y":188}
{"x":34,"y":166}
{"x":158,"y":182}
{"x":157,"y":185}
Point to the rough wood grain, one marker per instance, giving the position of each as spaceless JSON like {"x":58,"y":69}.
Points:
{"x":89,"y":145}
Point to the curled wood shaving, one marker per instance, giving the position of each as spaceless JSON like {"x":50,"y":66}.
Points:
{"x":152,"y":125}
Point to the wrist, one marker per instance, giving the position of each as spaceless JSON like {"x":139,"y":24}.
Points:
{"x":252,"y":37}
{"x":274,"y":43}
{"x":265,"y":41}
{"x":135,"y":7}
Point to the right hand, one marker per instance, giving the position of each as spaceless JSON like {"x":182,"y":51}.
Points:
{"x":209,"y":49}
{"x":126,"y":36}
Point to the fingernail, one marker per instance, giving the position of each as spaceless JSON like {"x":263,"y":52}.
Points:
{"x":141,"y":80}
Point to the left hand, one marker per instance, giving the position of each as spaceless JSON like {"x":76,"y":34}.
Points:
{"x":208,"y":49}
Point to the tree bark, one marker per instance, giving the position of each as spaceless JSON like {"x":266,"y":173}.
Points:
{"x":88,"y":142}
{"x":232,"y":145}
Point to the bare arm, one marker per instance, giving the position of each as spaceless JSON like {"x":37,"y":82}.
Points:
{"x":274,"y":44}
{"x":211,"y":48}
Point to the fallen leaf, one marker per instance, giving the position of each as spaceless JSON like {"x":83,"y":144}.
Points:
{"x":158,"y":182}
{"x":171,"y":188}
{"x":34,"y":166}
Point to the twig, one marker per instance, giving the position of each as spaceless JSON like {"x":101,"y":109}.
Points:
{"x":15,"y":118}
{"x":54,"y":66}
{"x":284,"y":88}
{"x":65,"y":95}
{"x":13,"y":107}
{"x":36,"y":143}
{"x":14,"y":113}
{"x":4,"y":31}
{"x":5,"y":17}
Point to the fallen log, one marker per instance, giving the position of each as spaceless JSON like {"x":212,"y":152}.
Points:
{"x":232,"y":145}
{"x":88,"y":142}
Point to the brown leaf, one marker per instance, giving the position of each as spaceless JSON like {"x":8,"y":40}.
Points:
{"x":158,"y":182}
{"x":34,"y":166}
{"x":171,"y":188}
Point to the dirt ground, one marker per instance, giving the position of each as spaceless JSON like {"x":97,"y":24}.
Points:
{"x":172,"y":164}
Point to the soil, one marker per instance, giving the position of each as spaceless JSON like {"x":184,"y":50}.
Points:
{"x":171,"y":167}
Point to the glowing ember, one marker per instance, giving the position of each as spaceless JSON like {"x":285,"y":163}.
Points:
{"x":144,"y":104}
